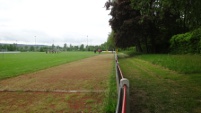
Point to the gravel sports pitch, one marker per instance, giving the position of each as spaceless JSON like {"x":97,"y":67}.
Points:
{"x":76,"y":87}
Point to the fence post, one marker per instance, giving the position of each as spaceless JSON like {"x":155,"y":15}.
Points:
{"x":119,"y":101}
{"x":123,"y":82}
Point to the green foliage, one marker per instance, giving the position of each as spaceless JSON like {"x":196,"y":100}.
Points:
{"x":111,"y":41}
{"x":146,"y":24}
{"x":8,"y":47}
{"x":124,"y":23}
{"x":186,"y":43}
{"x":149,"y":24}
{"x":187,"y":11}
{"x":21,"y":63}
{"x":82,"y":47}
{"x":43,"y":49}
{"x":110,"y":44}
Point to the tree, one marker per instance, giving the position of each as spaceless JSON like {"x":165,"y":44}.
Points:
{"x":125,"y":24}
{"x":26,"y":48}
{"x":65,"y":47}
{"x":149,"y":24}
{"x":32,"y":48}
{"x":111,"y":41}
{"x":43,"y":49}
{"x":53,"y":46}
{"x":75,"y":48}
{"x":82,"y":47}
{"x":71,"y":48}
{"x":161,"y":19}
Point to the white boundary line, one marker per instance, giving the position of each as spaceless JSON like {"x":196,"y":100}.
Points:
{"x":55,"y":91}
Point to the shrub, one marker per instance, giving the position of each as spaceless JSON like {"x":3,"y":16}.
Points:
{"x":189,"y":42}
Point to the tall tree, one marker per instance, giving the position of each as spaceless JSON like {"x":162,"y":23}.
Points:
{"x":149,"y":24}
{"x":124,"y":22}
{"x":82,"y":47}
{"x":110,"y":41}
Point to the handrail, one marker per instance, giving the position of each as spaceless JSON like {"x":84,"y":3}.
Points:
{"x":120,"y":71}
{"x":123,"y":105}
{"x":124,"y":100}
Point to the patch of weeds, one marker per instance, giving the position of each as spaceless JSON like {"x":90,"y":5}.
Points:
{"x":67,"y":97}
{"x":95,"y":108}
{"x":50,"y":98}
{"x":64,"y":107}
{"x":89,"y":101}
{"x":111,"y":94}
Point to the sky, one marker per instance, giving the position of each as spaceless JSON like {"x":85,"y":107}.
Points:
{"x":55,"y":22}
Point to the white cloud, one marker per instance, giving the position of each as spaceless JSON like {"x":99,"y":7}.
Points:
{"x":66,"y":21}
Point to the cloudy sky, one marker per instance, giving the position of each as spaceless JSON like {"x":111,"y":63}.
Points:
{"x":54,"y":21}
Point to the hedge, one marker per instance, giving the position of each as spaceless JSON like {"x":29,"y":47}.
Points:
{"x":189,"y":42}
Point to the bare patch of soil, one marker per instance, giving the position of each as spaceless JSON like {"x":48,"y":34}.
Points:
{"x":89,"y":74}
{"x":45,"y":102}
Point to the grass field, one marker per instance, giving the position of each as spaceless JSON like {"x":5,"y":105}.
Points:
{"x":164,"y":83}
{"x":81,"y":86}
{"x":27,"y":62}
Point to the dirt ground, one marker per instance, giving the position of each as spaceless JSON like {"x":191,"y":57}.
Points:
{"x":74,"y":87}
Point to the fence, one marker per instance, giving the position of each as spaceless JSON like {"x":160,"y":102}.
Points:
{"x":123,"y":104}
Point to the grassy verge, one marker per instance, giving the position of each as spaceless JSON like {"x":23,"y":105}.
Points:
{"x":181,"y":63}
{"x":21,"y":63}
{"x":111,"y":94}
{"x":156,"y":89}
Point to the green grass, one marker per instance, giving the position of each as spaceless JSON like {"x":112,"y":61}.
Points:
{"x":110,"y":100}
{"x":180,"y":63}
{"x":155,"y":89}
{"x":21,"y":63}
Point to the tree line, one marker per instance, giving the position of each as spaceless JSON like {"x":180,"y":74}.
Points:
{"x":149,"y":25}
{"x":44,"y":48}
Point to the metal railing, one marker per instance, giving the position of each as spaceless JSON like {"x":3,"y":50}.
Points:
{"x":123,"y":104}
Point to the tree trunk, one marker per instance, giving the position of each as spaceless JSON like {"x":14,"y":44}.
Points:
{"x":138,"y":46}
{"x":146,"y":45}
